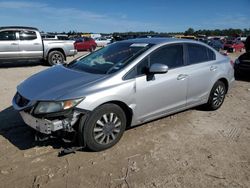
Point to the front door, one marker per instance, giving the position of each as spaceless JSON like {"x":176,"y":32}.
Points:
{"x":9,"y":45}
{"x":161,"y":93}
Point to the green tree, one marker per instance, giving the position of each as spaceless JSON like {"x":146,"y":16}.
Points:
{"x":190,"y":31}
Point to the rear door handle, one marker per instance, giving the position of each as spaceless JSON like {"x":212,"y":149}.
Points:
{"x":182,"y":77}
{"x":36,"y":43}
{"x":14,"y":44}
{"x":213,"y":68}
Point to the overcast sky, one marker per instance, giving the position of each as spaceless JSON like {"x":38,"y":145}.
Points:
{"x":127,"y":15}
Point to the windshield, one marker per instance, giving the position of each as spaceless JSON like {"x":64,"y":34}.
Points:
{"x":110,"y":59}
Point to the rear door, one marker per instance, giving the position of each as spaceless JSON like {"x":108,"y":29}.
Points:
{"x":9,"y":45}
{"x":30,"y":44}
{"x":201,"y":69}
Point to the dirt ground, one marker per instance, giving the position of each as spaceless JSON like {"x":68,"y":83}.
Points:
{"x":193,"y":148}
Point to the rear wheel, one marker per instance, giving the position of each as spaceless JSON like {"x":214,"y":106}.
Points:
{"x":217,"y":96}
{"x":55,"y":57}
{"x":103,"y":128}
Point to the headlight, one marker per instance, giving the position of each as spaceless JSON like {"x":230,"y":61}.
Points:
{"x":57,"y":106}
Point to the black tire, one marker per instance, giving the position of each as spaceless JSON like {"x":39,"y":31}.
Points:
{"x":217,"y":96}
{"x":101,"y":130}
{"x":92,"y":48}
{"x":55,"y":57}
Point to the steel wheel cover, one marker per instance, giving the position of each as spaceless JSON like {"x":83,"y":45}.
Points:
{"x":107,"y":128}
{"x":218,"y":96}
{"x":57,"y":59}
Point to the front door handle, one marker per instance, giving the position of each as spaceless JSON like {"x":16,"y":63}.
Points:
{"x":182,"y":77}
{"x":14,"y":44}
{"x":213,"y":68}
{"x":36,"y":43}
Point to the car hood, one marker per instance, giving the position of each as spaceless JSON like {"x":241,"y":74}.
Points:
{"x":57,"y":83}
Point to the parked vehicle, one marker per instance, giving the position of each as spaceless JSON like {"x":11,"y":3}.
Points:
{"x":26,"y":43}
{"x":102,"y":42}
{"x":233,"y":46}
{"x":242,"y":65}
{"x":216,"y":44}
{"x":85,"y":44}
{"x":242,"y":39}
{"x":192,"y":37}
{"x":247,"y":44}
{"x":123,"y":84}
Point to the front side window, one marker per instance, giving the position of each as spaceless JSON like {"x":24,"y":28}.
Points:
{"x":27,"y":35}
{"x":171,"y":55}
{"x":7,"y":35}
{"x":198,"y":53}
{"x":109,"y":59}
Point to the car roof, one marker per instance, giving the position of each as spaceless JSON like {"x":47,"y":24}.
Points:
{"x":160,"y":40}
{"x":18,"y":27}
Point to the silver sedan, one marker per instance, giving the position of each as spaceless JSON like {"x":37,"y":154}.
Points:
{"x":124,"y":84}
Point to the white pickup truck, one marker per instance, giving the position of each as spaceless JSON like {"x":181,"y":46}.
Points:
{"x":26,"y":43}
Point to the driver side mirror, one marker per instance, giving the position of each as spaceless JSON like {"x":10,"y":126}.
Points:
{"x":158,"y":68}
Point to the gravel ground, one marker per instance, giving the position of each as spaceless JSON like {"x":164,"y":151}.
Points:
{"x":194,"y":148}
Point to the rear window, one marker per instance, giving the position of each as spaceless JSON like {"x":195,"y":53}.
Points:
{"x":79,"y":40}
{"x":27,"y":35}
{"x":198,"y":53}
{"x":229,"y":42}
{"x":62,"y":38}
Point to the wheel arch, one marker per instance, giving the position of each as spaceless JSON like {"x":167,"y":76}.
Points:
{"x":127,"y":110}
{"x":225,"y":81}
{"x":57,"y":49}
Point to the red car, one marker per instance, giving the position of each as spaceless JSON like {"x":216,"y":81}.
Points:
{"x":85,"y":44}
{"x":233,"y":46}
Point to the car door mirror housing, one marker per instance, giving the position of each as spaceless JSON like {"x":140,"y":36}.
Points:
{"x":158,"y":68}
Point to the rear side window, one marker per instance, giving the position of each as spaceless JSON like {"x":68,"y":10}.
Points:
{"x":7,"y":35}
{"x":211,"y":55}
{"x":27,"y":35}
{"x":198,"y":53}
{"x":171,"y":55}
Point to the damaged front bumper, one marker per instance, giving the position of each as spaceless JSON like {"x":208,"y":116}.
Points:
{"x":48,"y":126}
{"x":46,"y":123}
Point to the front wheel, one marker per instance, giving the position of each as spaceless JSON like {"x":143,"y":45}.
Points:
{"x":103,"y":128}
{"x":217,"y":96}
{"x":55,"y":57}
